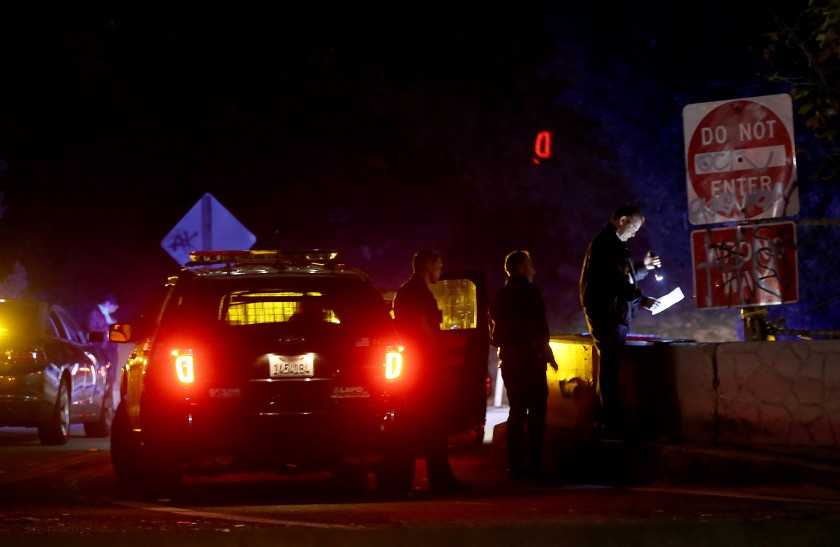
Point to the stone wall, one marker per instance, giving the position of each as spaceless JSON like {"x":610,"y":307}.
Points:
{"x":784,"y":393}
{"x":781,"y":393}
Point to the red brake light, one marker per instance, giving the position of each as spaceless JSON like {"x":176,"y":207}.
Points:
{"x":393,"y":362}
{"x":184,"y":366}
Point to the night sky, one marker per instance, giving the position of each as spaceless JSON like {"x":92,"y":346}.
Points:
{"x":373,"y":132}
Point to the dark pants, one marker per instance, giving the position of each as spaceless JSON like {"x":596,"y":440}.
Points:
{"x":527,"y":392}
{"x":609,"y":341}
{"x":430,"y":411}
{"x":436,"y":452}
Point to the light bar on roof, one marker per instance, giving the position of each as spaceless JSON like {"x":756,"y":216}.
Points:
{"x":222,"y":256}
{"x":313,"y":254}
{"x":253,"y":256}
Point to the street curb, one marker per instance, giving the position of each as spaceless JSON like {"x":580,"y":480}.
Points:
{"x":577,"y":458}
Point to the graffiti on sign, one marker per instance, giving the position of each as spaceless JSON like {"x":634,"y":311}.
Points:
{"x":207,"y":226}
{"x":740,"y":160}
{"x":745,"y":265}
{"x":182,"y":242}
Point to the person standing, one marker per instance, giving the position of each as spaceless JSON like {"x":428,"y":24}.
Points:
{"x":610,"y":296}
{"x":519,"y":328}
{"x":417,"y":319}
{"x":100,"y":319}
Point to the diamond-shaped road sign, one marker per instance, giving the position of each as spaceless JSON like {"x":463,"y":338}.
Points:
{"x":208,"y":226}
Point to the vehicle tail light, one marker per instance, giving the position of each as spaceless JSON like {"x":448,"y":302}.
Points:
{"x":184,"y":366}
{"x":393,"y":362}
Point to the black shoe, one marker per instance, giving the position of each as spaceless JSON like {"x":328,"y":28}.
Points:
{"x":453,"y":485}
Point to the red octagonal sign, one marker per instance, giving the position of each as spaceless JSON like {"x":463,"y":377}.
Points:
{"x":740,"y":160}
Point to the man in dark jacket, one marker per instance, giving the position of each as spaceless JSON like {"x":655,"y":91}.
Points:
{"x":519,"y":328}
{"x":609,"y":294}
{"x":418,"y":318}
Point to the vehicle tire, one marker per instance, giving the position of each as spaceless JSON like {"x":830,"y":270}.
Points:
{"x":128,"y":454}
{"x":144,"y":471}
{"x":395,"y":475}
{"x":56,"y":429}
{"x":102,"y":426}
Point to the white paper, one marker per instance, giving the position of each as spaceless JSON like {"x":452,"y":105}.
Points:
{"x":667,"y":301}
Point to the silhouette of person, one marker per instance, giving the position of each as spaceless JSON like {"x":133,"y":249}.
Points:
{"x":519,"y":328}
{"x":417,"y":319}
{"x":100,"y":319}
{"x":610,"y":295}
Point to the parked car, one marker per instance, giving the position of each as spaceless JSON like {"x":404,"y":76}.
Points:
{"x":51,"y":375}
{"x":262,"y":360}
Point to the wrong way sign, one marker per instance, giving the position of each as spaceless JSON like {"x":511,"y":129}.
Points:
{"x":740,"y":160}
{"x":747,"y":265}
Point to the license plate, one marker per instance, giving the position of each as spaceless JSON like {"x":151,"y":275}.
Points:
{"x":291,"y":366}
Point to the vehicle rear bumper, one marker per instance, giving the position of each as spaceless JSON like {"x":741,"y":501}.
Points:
{"x":345,"y":435}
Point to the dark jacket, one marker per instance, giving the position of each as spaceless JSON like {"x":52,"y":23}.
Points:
{"x":517,"y":318}
{"x":609,"y":291}
{"x":417,"y":317}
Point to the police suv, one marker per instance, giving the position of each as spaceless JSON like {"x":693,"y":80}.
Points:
{"x":262,"y":360}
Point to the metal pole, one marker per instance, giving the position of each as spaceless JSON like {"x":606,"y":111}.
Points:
{"x":207,"y":222}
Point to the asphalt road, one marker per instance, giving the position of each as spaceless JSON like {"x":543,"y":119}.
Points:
{"x":69,"y":496}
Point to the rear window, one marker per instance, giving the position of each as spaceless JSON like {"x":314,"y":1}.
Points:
{"x":245,"y":302}
{"x":257,"y":307}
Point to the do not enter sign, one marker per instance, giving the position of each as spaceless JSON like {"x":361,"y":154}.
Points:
{"x":740,"y":160}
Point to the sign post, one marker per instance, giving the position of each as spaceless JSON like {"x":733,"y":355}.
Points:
{"x":740,"y":160}
{"x":208,"y":226}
